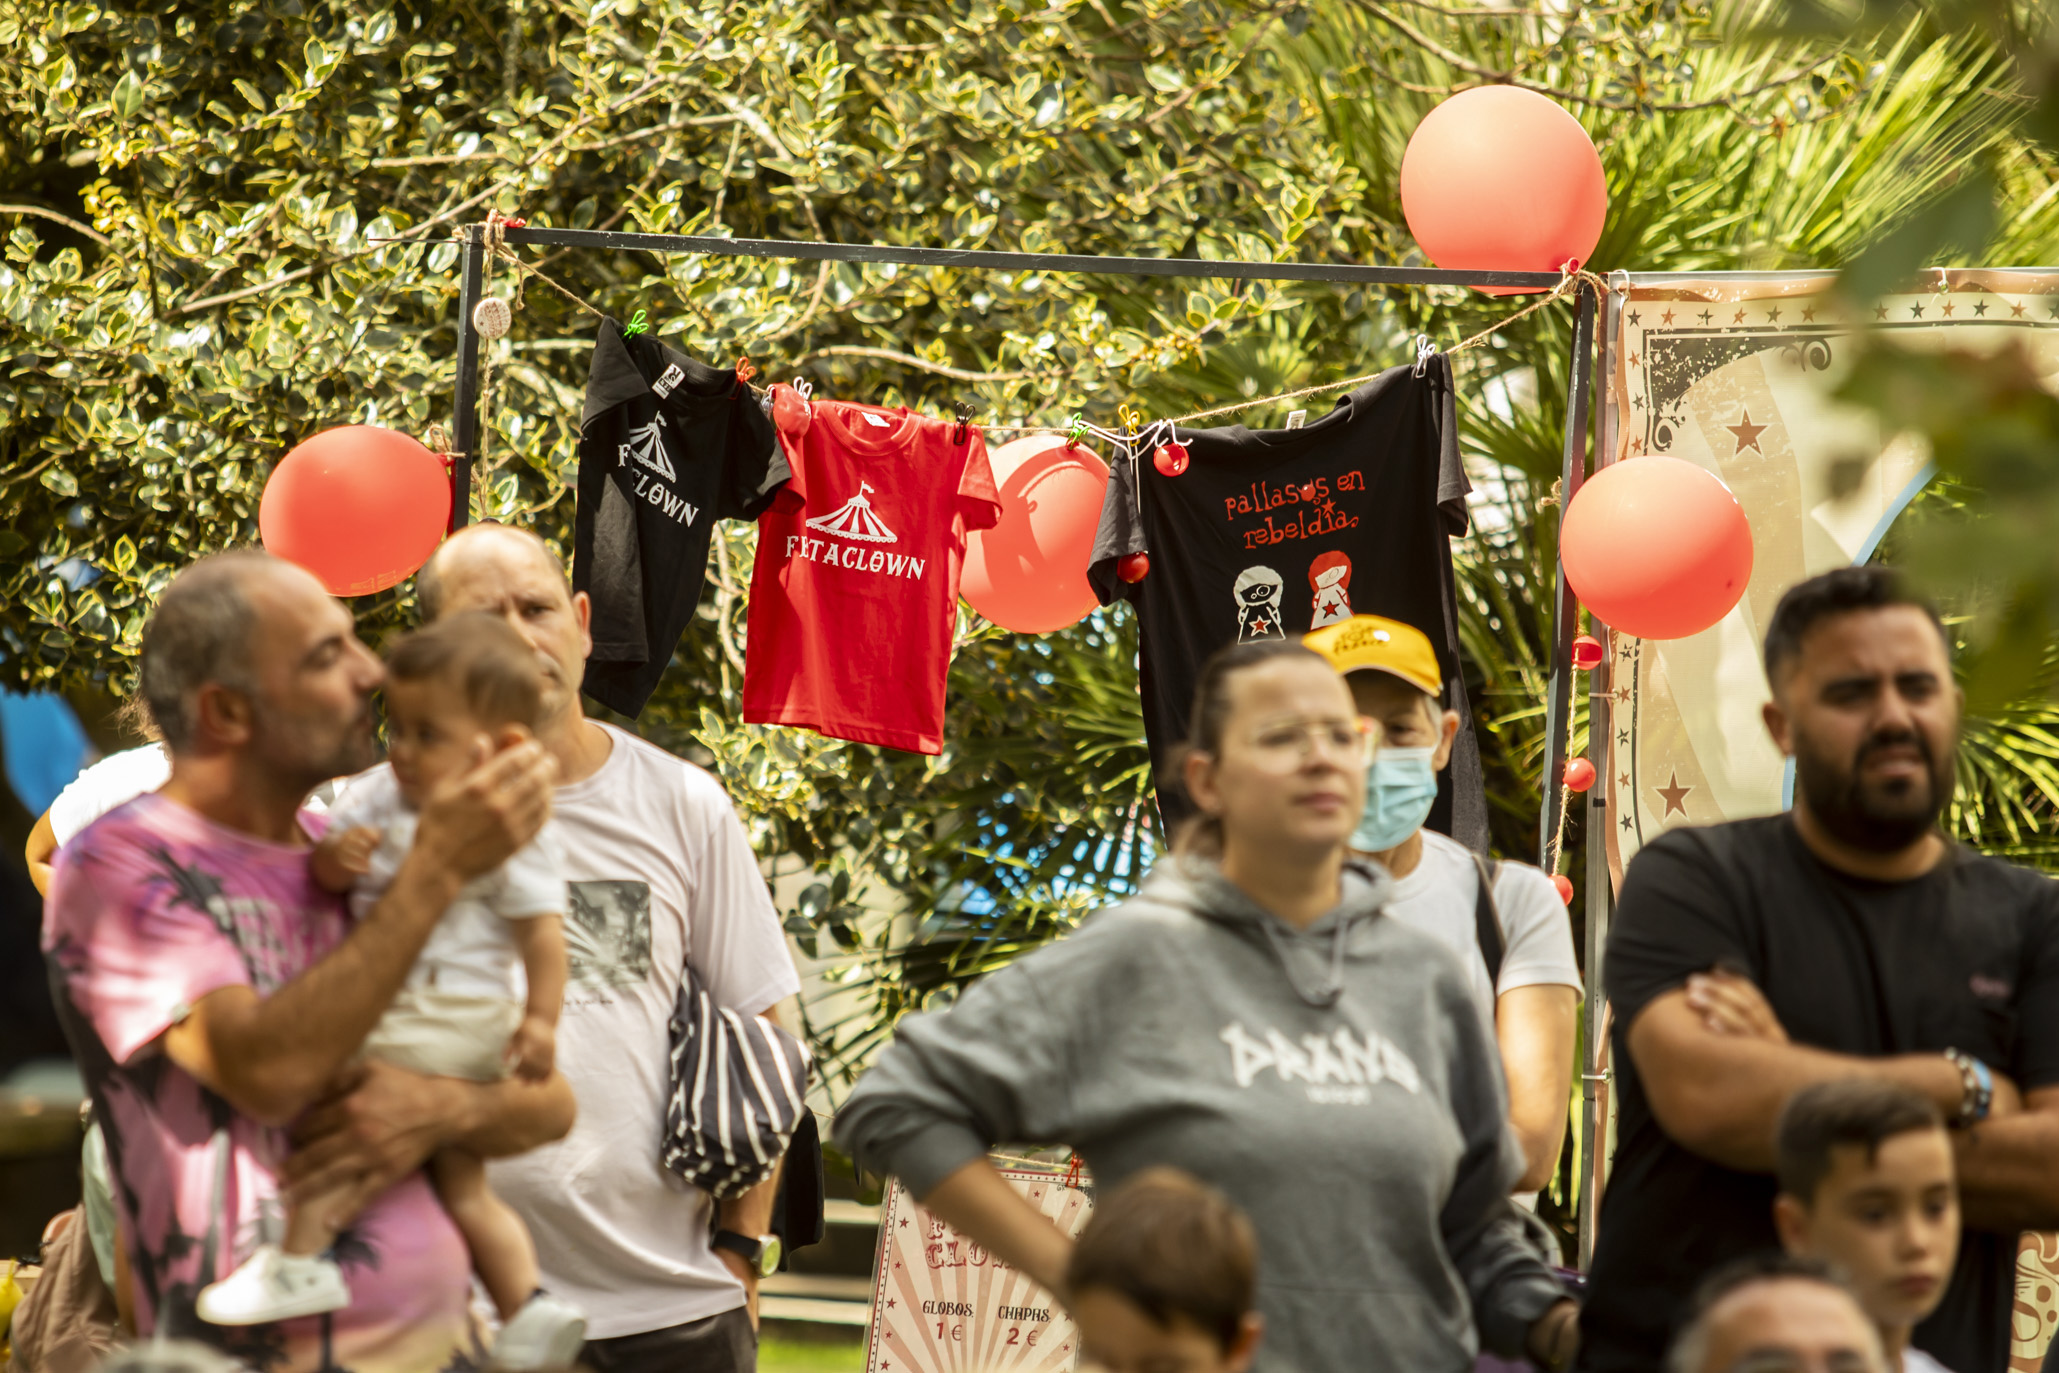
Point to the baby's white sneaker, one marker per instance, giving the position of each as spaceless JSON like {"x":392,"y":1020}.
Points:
{"x":273,"y":1285}
{"x":545,"y":1333}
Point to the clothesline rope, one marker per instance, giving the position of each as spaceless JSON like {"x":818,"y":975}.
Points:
{"x":496,"y":245}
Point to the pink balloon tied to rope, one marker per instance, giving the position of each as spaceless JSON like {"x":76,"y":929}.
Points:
{"x":359,"y":506}
{"x":1489,"y":149}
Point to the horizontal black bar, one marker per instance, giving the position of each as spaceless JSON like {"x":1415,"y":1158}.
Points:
{"x":1027,"y":262}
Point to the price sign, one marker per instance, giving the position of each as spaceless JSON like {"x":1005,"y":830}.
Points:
{"x":942,"y":1304}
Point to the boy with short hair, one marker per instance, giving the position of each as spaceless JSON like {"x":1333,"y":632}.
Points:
{"x":1867,"y":1184}
{"x":1163,"y":1278}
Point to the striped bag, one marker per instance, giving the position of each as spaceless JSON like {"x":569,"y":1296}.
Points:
{"x":738,"y":1089}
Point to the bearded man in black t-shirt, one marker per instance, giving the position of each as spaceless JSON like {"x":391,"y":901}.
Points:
{"x":1845,"y":938}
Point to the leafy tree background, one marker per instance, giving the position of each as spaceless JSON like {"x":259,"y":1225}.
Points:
{"x":230,"y":226}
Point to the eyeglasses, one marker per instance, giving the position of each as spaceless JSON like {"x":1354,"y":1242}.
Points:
{"x":1285,"y":746}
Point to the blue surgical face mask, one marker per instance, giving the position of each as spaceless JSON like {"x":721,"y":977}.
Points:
{"x":1401,"y":786}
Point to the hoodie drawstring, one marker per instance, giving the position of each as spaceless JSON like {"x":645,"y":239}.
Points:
{"x":1323,"y":997}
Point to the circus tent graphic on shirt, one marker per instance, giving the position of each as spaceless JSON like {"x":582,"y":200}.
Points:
{"x":647,"y":448}
{"x":854,"y":520}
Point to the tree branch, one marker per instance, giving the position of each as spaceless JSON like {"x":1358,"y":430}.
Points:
{"x":1258,"y":36}
{"x":66,"y":220}
{"x":910,"y":360}
{"x":1509,"y":78}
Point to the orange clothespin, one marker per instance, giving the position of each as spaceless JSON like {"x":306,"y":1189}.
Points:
{"x":745,"y":369}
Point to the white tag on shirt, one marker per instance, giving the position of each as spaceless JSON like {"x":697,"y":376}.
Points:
{"x":672,"y":377}
{"x":875,"y":421}
{"x":1297,"y":419}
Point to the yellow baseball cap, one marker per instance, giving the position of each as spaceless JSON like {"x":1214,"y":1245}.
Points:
{"x":1369,"y":643}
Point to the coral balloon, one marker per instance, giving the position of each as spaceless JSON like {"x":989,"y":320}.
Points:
{"x":1564,"y":886}
{"x":360,"y":507}
{"x":1579,"y":774}
{"x":1029,"y":572}
{"x":1587,"y":653}
{"x":1499,"y":178}
{"x":790,"y":412}
{"x":1133,"y":567}
{"x":1656,"y":547}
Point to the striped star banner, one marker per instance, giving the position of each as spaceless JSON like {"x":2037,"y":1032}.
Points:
{"x":1732,"y":371}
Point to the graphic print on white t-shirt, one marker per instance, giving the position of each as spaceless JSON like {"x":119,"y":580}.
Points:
{"x":653,"y":846}
{"x":608,"y":933}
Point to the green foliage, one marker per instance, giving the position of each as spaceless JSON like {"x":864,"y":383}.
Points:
{"x":230,"y":227}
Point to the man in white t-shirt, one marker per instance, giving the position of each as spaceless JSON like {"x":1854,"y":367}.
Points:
{"x":1534,"y":996}
{"x":662,"y":876}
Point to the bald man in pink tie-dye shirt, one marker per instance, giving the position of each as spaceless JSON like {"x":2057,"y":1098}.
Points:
{"x":215,"y":996}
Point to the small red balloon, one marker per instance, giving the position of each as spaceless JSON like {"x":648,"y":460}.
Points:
{"x":790,"y":412}
{"x":1170,"y":458}
{"x":1133,"y":566}
{"x":1656,"y":547}
{"x":1564,"y":884}
{"x":359,"y":506}
{"x":1587,"y":653}
{"x":1493,"y":147}
{"x":1579,"y":774}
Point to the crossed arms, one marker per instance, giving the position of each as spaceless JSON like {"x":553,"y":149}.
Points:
{"x":1717,"y":1067}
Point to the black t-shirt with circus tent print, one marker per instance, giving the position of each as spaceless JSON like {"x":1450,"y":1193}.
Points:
{"x":667,"y":446}
{"x":1271,"y":533}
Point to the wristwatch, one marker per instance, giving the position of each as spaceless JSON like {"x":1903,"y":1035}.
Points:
{"x":1976,"y":1088}
{"x":761,"y":1253}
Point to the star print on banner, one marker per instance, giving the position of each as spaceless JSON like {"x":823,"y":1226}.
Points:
{"x":1747,"y":433}
{"x":1674,"y":795}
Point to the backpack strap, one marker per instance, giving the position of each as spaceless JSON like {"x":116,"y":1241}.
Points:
{"x":1487,"y":918}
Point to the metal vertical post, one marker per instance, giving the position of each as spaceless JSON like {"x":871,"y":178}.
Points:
{"x":1565,"y":608}
{"x":1600,"y":896}
{"x":465,"y":403}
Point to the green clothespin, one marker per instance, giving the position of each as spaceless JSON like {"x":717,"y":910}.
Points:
{"x":638,"y":323}
{"x":1076,"y":432}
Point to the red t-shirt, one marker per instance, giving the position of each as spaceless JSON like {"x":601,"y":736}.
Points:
{"x":855,"y":592}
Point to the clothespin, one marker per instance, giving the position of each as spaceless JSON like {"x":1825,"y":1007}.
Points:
{"x":745,"y":369}
{"x":803,"y":389}
{"x":638,"y":323}
{"x":964,"y":413}
{"x":1425,"y":350}
{"x":1130,"y":417}
{"x":1075,"y":430}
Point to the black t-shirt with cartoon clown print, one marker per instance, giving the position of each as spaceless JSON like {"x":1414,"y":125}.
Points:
{"x":1268,"y":534}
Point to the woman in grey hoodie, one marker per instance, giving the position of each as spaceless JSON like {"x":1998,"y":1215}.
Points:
{"x":1249,"y":1017}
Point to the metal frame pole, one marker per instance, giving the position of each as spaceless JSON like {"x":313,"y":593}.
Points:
{"x":1600,"y":894}
{"x":1566,"y":609}
{"x":465,"y":400}
{"x":798,"y":250}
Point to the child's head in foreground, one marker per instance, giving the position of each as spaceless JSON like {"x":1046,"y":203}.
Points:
{"x":1162,"y":1279}
{"x":1867,"y":1185}
{"x":456,"y":692}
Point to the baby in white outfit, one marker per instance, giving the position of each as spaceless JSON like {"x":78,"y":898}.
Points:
{"x":483,"y":997}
